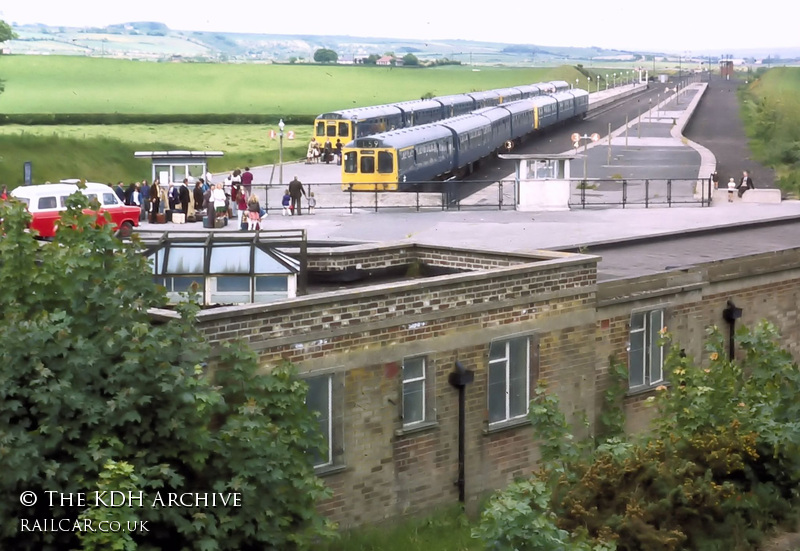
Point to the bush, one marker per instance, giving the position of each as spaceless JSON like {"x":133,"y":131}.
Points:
{"x":721,"y":467}
{"x":96,"y":396}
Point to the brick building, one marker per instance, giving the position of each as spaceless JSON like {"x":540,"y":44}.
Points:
{"x":377,"y":354}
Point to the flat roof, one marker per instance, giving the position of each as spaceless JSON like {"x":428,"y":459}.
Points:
{"x":178,"y":154}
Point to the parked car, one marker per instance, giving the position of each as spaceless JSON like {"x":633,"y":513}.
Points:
{"x":45,"y":202}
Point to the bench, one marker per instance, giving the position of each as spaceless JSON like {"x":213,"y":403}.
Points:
{"x":757,"y":195}
{"x":762,"y":196}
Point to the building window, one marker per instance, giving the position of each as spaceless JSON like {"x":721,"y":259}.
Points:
{"x":509,"y":379}
{"x":646,"y":355}
{"x":414,"y":391}
{"x":320,"y":400}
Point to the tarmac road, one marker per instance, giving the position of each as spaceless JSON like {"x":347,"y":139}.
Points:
{"x":717,"y":125}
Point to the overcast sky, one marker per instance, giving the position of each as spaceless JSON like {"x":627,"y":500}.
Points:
{"x":680,"y":26}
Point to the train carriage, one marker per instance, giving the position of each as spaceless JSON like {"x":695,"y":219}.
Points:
{"x":529,"y":90}
{"x":349,"y":124}
{"x":508,"y":95}
{"x":489,"y":98}
{"x":559,"y":85}
{"x":581,"y":101}
{"x":419,"y":112}
{"x":566,"y":105}
{"x":383,"y":161}
{"x":501,"y":124}
{"x":473,"y":139}
{"x":455,"y":105}
{"x":522,"y":118}
{"x":545,"y":111}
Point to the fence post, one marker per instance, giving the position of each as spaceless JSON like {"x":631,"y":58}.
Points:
{"x":710,"y":190}
{"x":624,"y":192}
{"x":500,"y":198}
{"x":266,"y":197}
{"x":647,"y":194}
{"x":583,"y":193}
{"x":669,"y":192}
{"x":417,"y":194}
{"x":350,"y":191}
{"x":376,"y":197}
{"x":444,"y":200}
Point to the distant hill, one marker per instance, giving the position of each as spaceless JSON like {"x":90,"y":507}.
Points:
{"x":155,"y":41}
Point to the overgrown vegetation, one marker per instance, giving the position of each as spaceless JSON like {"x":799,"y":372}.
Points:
{"x":720,"y":468}
{"x":771,"y":111}
{"x":94,"y":396}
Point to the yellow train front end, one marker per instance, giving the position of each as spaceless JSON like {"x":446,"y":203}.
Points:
{"x":369,"y":169}
{"x":333,"y":129}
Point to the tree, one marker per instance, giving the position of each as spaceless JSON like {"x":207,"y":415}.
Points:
{"x":96,"y":396}
{"x":372,"y":59}
{"x":324,"y":55}
{"x":410,"y":59}
{"x":6,"y":32}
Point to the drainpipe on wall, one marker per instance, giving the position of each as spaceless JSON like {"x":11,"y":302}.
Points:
{"x":731,"y":314}
{"x":460,"y":378}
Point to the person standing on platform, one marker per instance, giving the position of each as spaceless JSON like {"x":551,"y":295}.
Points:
{"x":247,"y":181}
{"x":296,"y":191}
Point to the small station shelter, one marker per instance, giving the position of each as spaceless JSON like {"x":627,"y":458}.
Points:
{"x":175,"y":166}
{"x":542,"y":181}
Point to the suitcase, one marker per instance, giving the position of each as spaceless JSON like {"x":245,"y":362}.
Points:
{"x":219,"y":223}
{"x":161,"y":218}
{"x":168,"y":214}
{"x":208,"y":221}
{"x":179,"y":218}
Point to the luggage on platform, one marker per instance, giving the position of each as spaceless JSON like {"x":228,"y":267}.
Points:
{"x":208,"y":221}
{"x":161,"y":218}
{"x":179,"y":218}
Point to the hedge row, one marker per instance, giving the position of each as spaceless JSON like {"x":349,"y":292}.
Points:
{"x":148,"y":118}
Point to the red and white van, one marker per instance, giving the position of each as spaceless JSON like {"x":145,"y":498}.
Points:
{"x":45,"y":202}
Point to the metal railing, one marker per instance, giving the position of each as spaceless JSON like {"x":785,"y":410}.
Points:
{"x":647,"y":192}
{"x":494,"y":195}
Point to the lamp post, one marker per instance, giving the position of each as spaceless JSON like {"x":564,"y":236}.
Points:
{"x":606,"y":81}
{"x":281,"y":126}
{"x":588,"y":83}
{"x":576,"y":141}
{"x":598,"y":83}
{"x":576,"y":83}
{"x":615,"y":80}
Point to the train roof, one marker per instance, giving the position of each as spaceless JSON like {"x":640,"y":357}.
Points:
{"x":454,"y":99}
{"x":403,"y":137}
{"x":561,"y":96}
{"x":418,"y":104}
{"x":465,"y":123}
{"x":560,"y":84}
{"x":579,"y":92}
{"x":359,"y":113}
{"x":530,"y":89}
{"x":508,"y":91}
{"x":487,"y":94}
{"x":494,"y":113}
{"x":540,"y":101}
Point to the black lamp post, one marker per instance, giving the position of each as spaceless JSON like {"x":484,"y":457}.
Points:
{"x":731,"y":314}
{"x":460,"y":378}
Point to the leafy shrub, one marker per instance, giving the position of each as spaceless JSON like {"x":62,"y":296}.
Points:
{"x":720,"y":468}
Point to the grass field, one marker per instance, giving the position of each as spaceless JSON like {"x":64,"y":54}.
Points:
{"x":771,"y":111}
{"x":63,"y":84}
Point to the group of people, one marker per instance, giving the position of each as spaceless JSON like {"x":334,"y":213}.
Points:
{"x":745,"y":183}
{"x":291,"y":201}
{"x":326,"y":152}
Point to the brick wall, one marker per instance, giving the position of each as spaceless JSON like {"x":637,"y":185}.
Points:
{"x":575,"y":324}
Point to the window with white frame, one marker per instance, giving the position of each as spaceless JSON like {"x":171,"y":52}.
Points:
{"x":509,"y":379}
{"x":646,"y":355}
{"x":320,"y":400}
{"x":414,"y":391}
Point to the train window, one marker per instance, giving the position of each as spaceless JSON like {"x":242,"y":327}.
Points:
{"x":320,"y":128}
{"x":367,"y":165}
{"x":351,"y":162}
{"x":385,"y":162}
{"x":331,"y":131}
{"x":344,"y":130}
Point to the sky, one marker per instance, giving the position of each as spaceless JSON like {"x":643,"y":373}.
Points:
{"x":677,"y":26}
